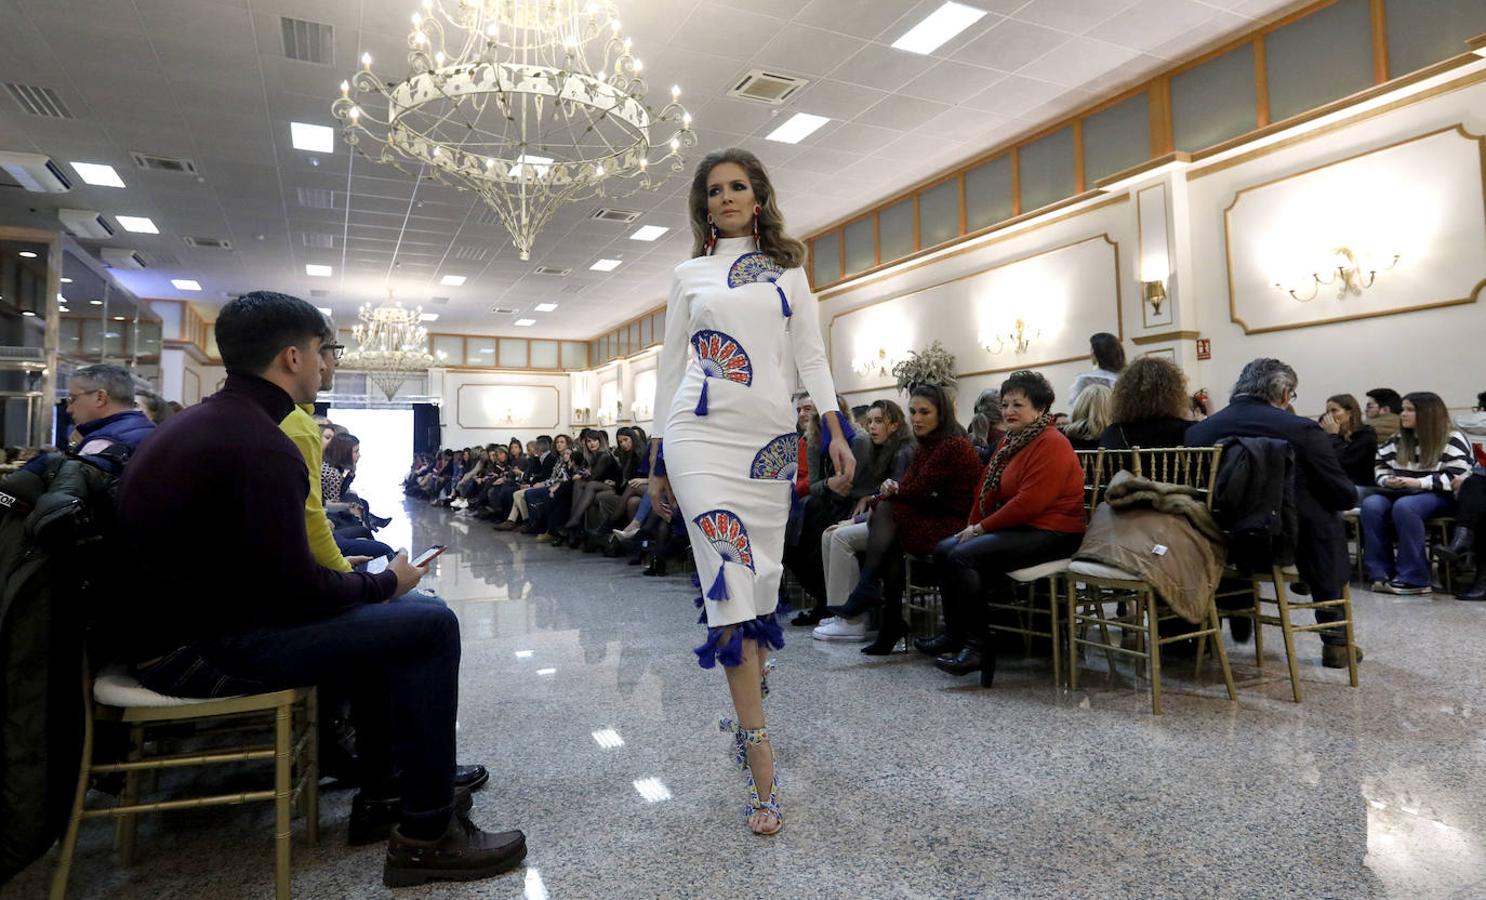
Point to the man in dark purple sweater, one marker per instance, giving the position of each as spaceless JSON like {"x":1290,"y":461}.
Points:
{"x":213,"y":506}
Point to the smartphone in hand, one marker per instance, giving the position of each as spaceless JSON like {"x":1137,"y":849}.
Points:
{"x":428,"y":556}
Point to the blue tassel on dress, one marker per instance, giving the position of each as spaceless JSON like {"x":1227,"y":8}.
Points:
{"x":719,"y":589}
{"x":784,"y":301}
{"x":765,"y":629}
{"x":701,"y":409}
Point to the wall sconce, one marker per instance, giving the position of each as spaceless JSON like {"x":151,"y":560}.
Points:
{"x":1020,"y":339}
{"x":881,"y":365}
{"x":1154,"y":293}
{"x":642,"y":412}
{"x":1349,"y":273}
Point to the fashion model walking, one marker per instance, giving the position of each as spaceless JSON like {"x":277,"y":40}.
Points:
{"x":741,"y":328}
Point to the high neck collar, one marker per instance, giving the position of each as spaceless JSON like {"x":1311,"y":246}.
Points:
{"x":274,"y":399}
{"x":735,"y":246}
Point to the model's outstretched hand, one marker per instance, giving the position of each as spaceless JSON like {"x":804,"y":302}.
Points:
{"x":660,"y":496}
{"x":842,"y":459}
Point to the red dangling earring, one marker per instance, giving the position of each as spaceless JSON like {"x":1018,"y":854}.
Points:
{"x":757,"y":210}
{"x":711,"y":243}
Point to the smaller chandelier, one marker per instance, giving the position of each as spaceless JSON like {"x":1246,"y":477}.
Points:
{"x":391,"y":345}
{"x":1019,"y":339}
{"x":1350,"y":271}
{"x":879,"y":364}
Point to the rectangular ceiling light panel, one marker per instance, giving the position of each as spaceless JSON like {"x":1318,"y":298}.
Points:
{"x":453,"y":280}
{"x":525,"y":323}
{"x":937,"y":27}
{"x":137,"y":224}
{"x":799,"y":127}
{"x":185,"y":284}
{"x":605,"y":265}
{"x":545,"y":307}
{"x":648,"y":232}
{"x":315,"y":138}
{"x":98,"y":174}
{"x":317,"y":271}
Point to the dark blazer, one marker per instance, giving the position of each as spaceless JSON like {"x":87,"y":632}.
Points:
{"x":1166,"y":431}
{"x":1358,"y":455}
{"x":541,"y":468}
{"x":1322,"y":488}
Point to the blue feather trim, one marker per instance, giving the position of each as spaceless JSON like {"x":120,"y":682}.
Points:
{"x":701,"y":409}
{"x":783,"y":301}
{"x":719,"y":589}
{"x":765,"y":629}
{"x":696,"y":580}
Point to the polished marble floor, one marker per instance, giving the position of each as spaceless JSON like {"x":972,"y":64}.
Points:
{"x":580,"y":692}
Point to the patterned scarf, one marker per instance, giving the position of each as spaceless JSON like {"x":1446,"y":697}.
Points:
{"x":1011,"y":446}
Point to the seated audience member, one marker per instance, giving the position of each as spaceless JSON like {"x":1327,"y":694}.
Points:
{"x":1415,"y":468}
{"x":912,"y":516}
{"x":336,"y":470}
{"x":1149,"y":406}
{"x":541,"y":502}
{"x":630,"y":444}
{"x":597,"y":473}
{"x":986,"y":436}
{"x":280,"y":620}
{"x":1355,"y":441}
{"x":1383,"y":408}
{"x":637,"y":484}
{"x":1469,"y":538}
{"x":100,"y":399}
{"x":891,"y":451}
{"x":1108,"y":357}
{"x":1028,"y":509}
{"x":1322,"y":490}
{"x":1091,"y":416}
{"x":544,"y":461}
{"x":832,"y":496}
{"x":1473,"y":423}
{"x":153,"y":406}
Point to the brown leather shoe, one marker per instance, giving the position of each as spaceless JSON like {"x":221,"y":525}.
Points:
{"x":463,"y":853}
{"x":1334,"y":656}
{"x":508,"y":525}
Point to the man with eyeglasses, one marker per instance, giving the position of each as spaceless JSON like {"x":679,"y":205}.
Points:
{"x":100,"y":400}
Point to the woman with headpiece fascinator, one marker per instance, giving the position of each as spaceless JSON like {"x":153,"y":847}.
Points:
{"x":741,"y":330}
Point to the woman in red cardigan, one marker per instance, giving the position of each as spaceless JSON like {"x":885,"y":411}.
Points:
{"x":1027,"y":510}
{"x":928,"y":504}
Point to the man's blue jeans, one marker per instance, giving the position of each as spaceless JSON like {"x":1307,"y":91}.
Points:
{"x":397,"y":661}
{"x":1388,"y":518}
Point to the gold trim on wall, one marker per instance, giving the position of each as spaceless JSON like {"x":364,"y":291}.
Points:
{"x":459,"y":406}
{"x":1143,"y":339}
{"x":1459,"y":128}
{"x":1026,"y":364}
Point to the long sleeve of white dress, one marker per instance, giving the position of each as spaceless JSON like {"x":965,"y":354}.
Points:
{"x":806,"y":342}
{"x":672,"y":365}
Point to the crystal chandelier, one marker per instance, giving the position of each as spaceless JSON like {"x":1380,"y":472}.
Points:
{"x":391,"y":345}
{"x":529,"y":103}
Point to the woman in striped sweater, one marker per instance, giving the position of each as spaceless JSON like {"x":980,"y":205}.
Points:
{"x":1415,"y":469}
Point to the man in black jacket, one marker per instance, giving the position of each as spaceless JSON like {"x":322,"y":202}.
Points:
{"x":1322,"y":489}
{"x":268,"y":617}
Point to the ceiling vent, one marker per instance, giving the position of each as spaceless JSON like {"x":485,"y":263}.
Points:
{"x":573,"y":288}
{"x":309,"y":42}
{"x":503,"y":310}
{"x":552,"y":270}
{"x":316,"y":240}
{"x":316,"y":198}
{"x":152,"y":163}
{"x":117,"y":258}
{"x":163,"y":261}
{"x":767,"y":87}
{"x":319,"y":293}
{"x":39,"y":101}
{"x":85,"y":223}
{"x":206,"y":243}
{"x":34,"y":172}
{"x":623,"y":216}
{"x":439,"y":301}
{"x":471,"y":254}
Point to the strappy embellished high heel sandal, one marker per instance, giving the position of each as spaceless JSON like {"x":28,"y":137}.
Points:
{"x":763,"y":681}
{"x":743,"y":738}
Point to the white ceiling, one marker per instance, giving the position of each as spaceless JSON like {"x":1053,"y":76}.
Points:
{"x":208,"y":80}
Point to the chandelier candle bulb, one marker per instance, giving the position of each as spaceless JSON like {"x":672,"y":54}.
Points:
{"x":345,"y":88}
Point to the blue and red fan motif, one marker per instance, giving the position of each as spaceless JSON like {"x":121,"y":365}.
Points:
{"x":725,"y":532}
{"x":722,"y":356}
{"x":758,"y":268}
{"x":779,"y":459}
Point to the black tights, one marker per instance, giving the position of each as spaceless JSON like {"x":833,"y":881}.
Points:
{"x":1470,"y":509}
{"x":583,"y":496}
{"x":883,"y":559}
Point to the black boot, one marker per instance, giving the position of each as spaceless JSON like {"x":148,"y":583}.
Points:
{"x":962,"y":663}
{"x":1477,"y":591}
{"x":657,"y":567}
{"x":892,"y":631}
{"x":1460,"y":545}
{"x":937,"y":645}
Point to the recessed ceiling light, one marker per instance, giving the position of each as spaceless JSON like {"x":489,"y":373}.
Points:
{"x":316,"y":138}
{"x":648,"y":232}
{"x":96,"y":302}
{"x":799,"y":127}
{"x":547,"y":671}
{"x":545,"y":307}
{"x":185,"y":284}
{"x":452,"y":280}
{"x":98,"y":174}
{"x":67,"y":281}
{"x":429,"y":317}
{"x":137,"y":224}
{"x":317,"y":271}
{"x":938,"y":27}
{"x":28,"y":254}
{"x":525,"y":323}
{"x":538,"y":165}
{"x":605,"y":265}
{"x":325,"y":310}
{"x":120,"y":319}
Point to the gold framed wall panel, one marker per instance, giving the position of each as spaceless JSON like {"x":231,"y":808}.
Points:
{"x":1410,"y":236}
{"x":1014,"y":361}
{"x":538,"y":424}
{"x":1149,"y":318}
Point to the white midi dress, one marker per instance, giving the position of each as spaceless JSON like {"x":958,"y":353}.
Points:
{"x":741,"y":333}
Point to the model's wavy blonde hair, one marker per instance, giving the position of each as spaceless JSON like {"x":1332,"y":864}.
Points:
{"x":784,"y":250}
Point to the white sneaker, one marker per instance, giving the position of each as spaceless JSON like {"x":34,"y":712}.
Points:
{"x":836,"y":628}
